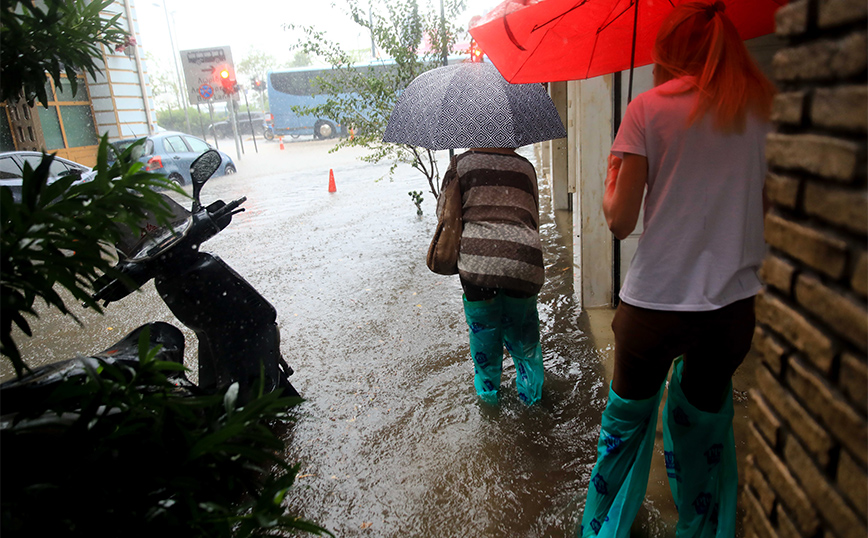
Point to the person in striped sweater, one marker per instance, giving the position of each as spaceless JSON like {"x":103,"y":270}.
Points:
{"x":500,"y":264}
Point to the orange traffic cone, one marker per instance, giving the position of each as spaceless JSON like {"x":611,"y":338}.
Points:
{"x":281,"y":142}
{"x":332,"y":187}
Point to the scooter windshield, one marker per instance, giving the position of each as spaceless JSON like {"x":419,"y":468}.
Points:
{"x":160,"y":239}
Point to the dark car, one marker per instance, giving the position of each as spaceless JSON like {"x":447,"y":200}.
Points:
{"x":12,"y":169}
{"x":223,"y":129}
{"x":171,"y":153}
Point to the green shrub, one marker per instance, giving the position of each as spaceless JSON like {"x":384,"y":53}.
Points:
{"x":122,"y":452}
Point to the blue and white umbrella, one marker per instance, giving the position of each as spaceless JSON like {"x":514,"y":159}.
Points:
{"x":471,"y":105}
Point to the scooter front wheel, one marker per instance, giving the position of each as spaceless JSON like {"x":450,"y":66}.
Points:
{"x":268,"y":134}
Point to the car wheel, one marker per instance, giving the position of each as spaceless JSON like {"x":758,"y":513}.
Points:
{"x":177,"y":179}
{"x":230,"y":169}
{"x":294,"y":136}
{"x":325,"y":129}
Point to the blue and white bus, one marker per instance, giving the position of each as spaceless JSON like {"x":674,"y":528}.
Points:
{"x":288,"y":88}
{"x":295,"y":87}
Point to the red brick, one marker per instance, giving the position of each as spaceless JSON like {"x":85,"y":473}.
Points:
{"x":835,"y":511}
{"x":796,"y":329}
{"x":800,"y":421}
{"x":759,"y":485}
{"x":824,"y":156}
{"x":819,"y":250}
{"x":844,"y":108}
{"x":837,"y":12}
{"x":841,"y":207}
{"x":854,"y":379}
{"x":778,"y":273}
{"x":782,"y":190}
{"x":853,"y":483}
{"x":841,"y":314}
{"x":822,"y":60}
{"x":762,"y":415}
{"x":783,"y":483}
{"x":786,"y":527}
{"x":788,"y":108}
{"x":770,"y":350}
{"x":859,"y":282}
{"x":848,"y":427}
{"x":792,"y":19}
{"x":759,"y":522}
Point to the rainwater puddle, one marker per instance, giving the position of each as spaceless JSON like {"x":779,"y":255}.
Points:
{"x":392,"y":440}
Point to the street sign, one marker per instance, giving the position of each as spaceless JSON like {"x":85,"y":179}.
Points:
{"x":201,"y":73}
{"x":206,"y":91}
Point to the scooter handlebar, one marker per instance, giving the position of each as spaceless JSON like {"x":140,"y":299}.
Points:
{"x":111,"y":288}
{"x":228,"y":209}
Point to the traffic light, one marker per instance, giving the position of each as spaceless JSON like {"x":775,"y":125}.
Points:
{"x":258,"y":85}
{"x":475,"y":52}
{"x":227,"y":79}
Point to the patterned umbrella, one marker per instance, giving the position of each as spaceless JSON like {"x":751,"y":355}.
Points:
{"x":471,"y":105}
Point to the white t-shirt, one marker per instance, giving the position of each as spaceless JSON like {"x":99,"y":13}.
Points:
{"x":702,"y":242}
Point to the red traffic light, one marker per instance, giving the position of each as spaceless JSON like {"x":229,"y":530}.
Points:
{"x":227,"y":79}
{"x":475,"y":52}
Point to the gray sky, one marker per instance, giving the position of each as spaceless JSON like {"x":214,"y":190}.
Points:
{"x":256,"y":23}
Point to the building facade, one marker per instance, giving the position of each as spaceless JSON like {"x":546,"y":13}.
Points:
{"x":117,"y":102}
{"x":808,"y":436}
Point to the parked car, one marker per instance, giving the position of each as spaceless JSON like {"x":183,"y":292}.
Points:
{"x":223,"y":129}
{"x":12,"y":169}
{"x":171,"y":153}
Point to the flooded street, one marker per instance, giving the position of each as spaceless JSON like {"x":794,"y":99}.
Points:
{"x":392,"y":440}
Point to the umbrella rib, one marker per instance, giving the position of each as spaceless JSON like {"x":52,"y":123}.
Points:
{"x":536,"y":27}
{"x":600,"y":30}
{"x":616,"y":17}
{"x":554,"y":20}
{"x":510,"y":35}
{"x":558,"y":17}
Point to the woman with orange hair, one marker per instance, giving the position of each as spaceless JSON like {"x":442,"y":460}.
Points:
{"x":693,"y":148}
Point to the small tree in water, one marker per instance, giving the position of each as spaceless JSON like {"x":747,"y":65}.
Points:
{"x":417,"y":199}
{"x":415,"y":39}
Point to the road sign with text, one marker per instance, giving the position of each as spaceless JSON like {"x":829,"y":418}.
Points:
{"x":202,"y":68}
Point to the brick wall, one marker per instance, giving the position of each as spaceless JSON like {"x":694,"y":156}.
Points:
{"x":806,"y":472}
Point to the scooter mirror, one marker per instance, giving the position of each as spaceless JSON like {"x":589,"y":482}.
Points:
{"x":201,"y":170}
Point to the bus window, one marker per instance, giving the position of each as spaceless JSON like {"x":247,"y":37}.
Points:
{"x":296,"y":88}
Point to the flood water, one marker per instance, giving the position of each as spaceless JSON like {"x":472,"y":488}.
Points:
{"x":391,"y":440}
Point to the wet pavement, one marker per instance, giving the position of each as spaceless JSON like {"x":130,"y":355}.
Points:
{"x":392,"y":440}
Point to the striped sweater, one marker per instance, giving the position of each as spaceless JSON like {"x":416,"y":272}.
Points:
{"x":500,"y":245}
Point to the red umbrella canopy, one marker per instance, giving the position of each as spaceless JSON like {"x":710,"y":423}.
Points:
{"x":551,"y":40}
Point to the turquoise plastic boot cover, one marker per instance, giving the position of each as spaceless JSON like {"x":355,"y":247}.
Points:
{"x":520,"y":323}
{"x":620,"y":476}
{"x":701,"y":464}
{"x":486,"y":345}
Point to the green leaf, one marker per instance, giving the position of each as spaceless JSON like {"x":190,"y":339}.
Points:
{"x":230,"y":399}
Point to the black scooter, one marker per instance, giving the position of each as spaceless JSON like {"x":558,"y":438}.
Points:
{"x":239,"y":340}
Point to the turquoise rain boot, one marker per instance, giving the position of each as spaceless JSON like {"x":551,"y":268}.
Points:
{"x":520,"y":323}
{"x":486,"y":346}
{"x":620,"y":477}
{"x":700,"y":462}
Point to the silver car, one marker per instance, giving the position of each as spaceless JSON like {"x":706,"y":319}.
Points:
{"x":12,"y":169}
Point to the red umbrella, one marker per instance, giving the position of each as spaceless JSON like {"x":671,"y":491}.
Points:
{"x":551,"y":40}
